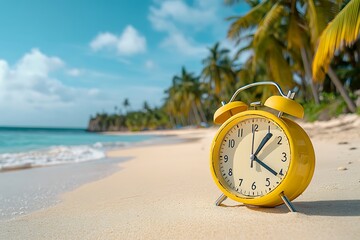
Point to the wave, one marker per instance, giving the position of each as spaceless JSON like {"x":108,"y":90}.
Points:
{"x":55,"y":155}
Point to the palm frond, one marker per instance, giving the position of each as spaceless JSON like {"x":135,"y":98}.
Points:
{"x":252,"y":3}
{"x":319,"y":13}
{"x":312,"y":17}
{"x":278,"y":68}
{"x":241,"y":51}
{"x":344,"y":29}
{"x":295,"y":33}
{"x":274,"y":15}
{"x":249,"y":20}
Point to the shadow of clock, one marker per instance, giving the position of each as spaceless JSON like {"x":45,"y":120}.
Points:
{"x":338,"y":208}
{"x":280,"y":209}
{"x":330,"y":207}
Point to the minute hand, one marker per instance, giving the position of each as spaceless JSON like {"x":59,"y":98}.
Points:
{"x":265,"y":165}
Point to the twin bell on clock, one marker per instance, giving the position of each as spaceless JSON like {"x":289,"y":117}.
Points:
{"x":260,"y":158}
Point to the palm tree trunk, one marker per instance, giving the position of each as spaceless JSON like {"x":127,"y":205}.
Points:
{"x":191,"y":120}
{"x":183,"y":121}
{"x":304,"y":88}
{"x":335,"y":80}
{"x":307,"y":67}
{"x":196,"y":113}
{"x":201,"y":111}
{"x":217,"y":81}
{"x":172,"y":121}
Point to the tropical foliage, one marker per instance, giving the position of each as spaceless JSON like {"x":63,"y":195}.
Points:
{"x":146,"y":118}
{"x":275,"y":40}
{"x":342,"y":31}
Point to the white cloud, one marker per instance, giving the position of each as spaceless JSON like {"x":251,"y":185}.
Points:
{"x":36,"y":64}
{"x":186,"y":46}
{"x":30,"y":83}
{"x":103,"y":40}
{"x":130,"y":42}
{"x":149,"y":64}
{"x":179,"y":20}
{"x":170,"y":14}
{"x":31,"y":93}
{"x":94,"y":92}
{"x":74,"y":72}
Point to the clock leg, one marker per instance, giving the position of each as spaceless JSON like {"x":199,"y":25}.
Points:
{"x":287,"y":202}
{"x":220,"y":200}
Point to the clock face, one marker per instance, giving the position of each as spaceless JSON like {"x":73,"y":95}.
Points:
{"x":254,"y":157}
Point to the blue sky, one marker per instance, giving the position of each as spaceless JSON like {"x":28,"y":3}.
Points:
{"x":62,"y":61}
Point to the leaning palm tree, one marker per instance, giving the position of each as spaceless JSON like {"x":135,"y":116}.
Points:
{"x":342,"y":31}
{"x":217,"y":69}
{"x":183,"y":103}
{"x":283,"y":28}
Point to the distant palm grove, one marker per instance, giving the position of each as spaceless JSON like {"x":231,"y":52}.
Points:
{"x":309,"y":46}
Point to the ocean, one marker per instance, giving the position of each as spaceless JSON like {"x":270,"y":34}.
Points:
{"x":32,"y":147}
{"x":74,"y":153}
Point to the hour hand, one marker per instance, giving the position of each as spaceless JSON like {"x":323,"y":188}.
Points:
{"x":263,"y":142}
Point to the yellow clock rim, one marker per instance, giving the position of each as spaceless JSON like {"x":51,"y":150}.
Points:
{"x":293,"y":183}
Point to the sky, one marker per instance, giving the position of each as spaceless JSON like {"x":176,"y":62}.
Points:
{"x":63,"y":61}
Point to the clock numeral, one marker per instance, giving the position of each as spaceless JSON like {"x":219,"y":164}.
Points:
{"x":281,"y":172}
{"x":280,"y":139}
{"x":230,"y":172}
{"x":253,"y":186}
{"x":240,"y":180}
{"x":284,"y":157}
{"x":267,"y":182}
{"x":226,"y":158}
{"x":231,"y":143}
{"x":255,"y":128}
{"x":240,"y":132}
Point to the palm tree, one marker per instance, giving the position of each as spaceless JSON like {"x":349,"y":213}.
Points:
{"x":126,"y":104}
{"x":185,"y":83}
{"x":217,"y":70}
{"x":286,"y":33}
{"x":184,"y":99}
{"x":263,"y":20}
{"x":343,"y":30}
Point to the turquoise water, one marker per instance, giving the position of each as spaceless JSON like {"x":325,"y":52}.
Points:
{"x":24,"y":139}
{"x":45,"y":146}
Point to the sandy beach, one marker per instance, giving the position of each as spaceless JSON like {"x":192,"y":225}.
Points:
{"x":166,"y":192}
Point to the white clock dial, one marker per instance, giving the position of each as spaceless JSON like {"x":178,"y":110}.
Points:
{"x":254,"y":157}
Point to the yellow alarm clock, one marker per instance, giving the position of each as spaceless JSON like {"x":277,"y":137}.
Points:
{"x":258,"y":157}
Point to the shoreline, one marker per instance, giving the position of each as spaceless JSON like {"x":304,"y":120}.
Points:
{"x":166,"y":191}
{"x":37,"y":188}
{"x":25,"y":200}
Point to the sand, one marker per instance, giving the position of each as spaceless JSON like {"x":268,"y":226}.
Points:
{"x":166,"y":192}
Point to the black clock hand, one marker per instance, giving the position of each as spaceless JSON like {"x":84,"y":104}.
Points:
{"x":252,"y":147}
{"x":264,"y":165}
{"x":263,"y":142}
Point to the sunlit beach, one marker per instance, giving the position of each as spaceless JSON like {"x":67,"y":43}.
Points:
{"x":183,"y":119}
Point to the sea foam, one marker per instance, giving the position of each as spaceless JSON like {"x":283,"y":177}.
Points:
{"x":51,"y":156}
